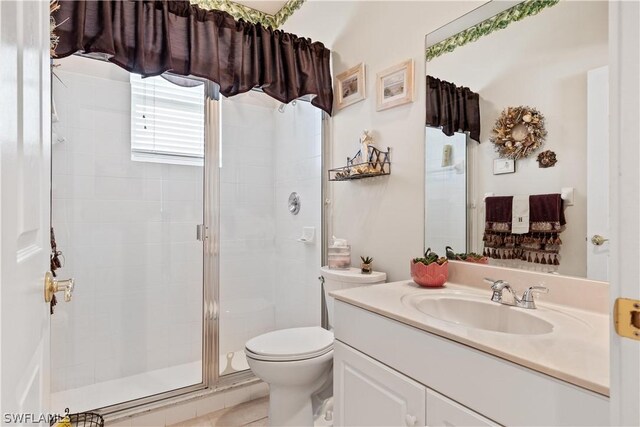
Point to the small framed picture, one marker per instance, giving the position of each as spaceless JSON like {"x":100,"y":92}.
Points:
{"x":394,"y":86}
{"x":502,"y":166}
{"x":350,"y":86}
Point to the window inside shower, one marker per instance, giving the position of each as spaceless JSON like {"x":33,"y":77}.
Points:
{"x":125,"y":209}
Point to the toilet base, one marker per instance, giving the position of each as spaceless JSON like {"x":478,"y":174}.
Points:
{"x":290,"y":406}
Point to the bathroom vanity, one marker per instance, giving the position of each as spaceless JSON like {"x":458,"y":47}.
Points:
{"x":406,"y":355}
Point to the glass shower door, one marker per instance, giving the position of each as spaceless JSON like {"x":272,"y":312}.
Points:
{"x":268,"y":276}
{"x":127,"y":197}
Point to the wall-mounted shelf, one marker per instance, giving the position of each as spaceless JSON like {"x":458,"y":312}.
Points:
{"x":376,"y":164}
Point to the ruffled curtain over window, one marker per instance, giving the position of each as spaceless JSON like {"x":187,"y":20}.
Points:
{"x":453,"y":108}
{"x":151,"y":37}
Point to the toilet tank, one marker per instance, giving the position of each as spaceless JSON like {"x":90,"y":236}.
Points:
{"x":335,"y":280}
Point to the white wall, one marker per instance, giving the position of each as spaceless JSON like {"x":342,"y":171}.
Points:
{"x":542,"y":62}
{"x":127,"y":232}
{"x":381,"y":217}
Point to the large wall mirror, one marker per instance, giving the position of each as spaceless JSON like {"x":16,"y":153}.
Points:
{"x":517,"y":162}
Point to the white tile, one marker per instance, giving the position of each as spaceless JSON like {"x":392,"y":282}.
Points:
{"x":153,"y":419}
{"x":111,"y":188}
{"x":210,"y":404}
{"x":236,"y":396}
{"x":81,"y":140}
{"x":81,"y":163}
{"x":178,"y":190}
{"x":126,"y":422}
{"x":260,"y":390}
{"x":181,"y":412}
{"x":118,"y":165}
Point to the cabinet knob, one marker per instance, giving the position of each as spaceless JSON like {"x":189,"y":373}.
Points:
{"x":411,"y":420}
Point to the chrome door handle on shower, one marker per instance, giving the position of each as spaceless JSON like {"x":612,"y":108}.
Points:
{"x":53,"y":285}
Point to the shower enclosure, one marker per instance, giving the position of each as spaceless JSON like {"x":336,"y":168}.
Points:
{"x":169,"y":207}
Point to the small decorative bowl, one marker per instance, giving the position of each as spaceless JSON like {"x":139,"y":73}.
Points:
{"x":433,"y":275}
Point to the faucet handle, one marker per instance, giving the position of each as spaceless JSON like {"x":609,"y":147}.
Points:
{"x":527,"y":297}
{"x":528,"y":294}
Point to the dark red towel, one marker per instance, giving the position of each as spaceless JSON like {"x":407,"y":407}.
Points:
{"x":499,"y":208}
{"x":542,"y":208}
{"x":546,"y":208}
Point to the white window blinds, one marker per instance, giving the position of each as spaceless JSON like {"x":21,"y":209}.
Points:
{"x":167,"y":121}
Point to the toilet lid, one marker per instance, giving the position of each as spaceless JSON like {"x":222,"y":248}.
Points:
{"x":291,"y":344}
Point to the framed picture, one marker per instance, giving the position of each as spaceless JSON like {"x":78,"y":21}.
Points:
{"x":502,"y":166}
{"x":395,"y":85}
{"x":350,"y":86}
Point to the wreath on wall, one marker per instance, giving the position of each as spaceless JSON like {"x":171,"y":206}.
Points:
{"x":518,"y":132}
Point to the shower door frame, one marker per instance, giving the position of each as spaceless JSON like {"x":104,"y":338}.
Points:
{"x":211,"y":381}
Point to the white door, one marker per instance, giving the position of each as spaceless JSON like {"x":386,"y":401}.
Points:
{"x":598,"y":176}
{"x":24,"y":209}
{"x":371,"y":394}
{"x":624,"y":85}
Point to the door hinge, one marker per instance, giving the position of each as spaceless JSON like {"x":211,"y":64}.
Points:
{"x":626,"y":318}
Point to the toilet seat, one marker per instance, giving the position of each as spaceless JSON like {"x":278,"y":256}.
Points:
{"x":290,"y":344}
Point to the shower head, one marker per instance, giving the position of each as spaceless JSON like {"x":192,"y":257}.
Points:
{"x":282,"y":106}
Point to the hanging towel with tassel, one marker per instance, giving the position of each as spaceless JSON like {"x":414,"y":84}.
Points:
{"x":539,"y":244}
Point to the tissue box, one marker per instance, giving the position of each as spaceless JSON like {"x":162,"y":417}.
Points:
{"x":339,"y":257}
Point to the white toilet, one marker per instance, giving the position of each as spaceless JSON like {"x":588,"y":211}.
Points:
{"x":297,"y":362}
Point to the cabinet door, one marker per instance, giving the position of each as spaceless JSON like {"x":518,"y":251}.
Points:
{"x":368,"y":393}
{"x":442,"y":411}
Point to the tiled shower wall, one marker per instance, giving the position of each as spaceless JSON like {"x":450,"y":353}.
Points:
{"x":127,"y":233}
{"x":268,"y":278}
{"x":247,"y":222}
{"x":298,"y":168}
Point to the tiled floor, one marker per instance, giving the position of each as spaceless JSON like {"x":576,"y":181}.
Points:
{"x":253,"y":413}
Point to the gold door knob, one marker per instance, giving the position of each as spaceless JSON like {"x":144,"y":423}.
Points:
{"x":53,"y":285}
{"x":598,"y":240}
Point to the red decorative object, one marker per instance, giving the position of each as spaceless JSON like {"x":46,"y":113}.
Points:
{"x":433,"y":275}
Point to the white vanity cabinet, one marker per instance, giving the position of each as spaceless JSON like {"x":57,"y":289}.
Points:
{"x":442,"y":411}
{"x":368,"y":393}
{"x":389,"y":373}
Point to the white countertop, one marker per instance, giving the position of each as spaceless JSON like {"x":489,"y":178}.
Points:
{"x":576,"y":351}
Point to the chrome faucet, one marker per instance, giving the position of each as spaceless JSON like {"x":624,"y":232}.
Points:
{"x":498,"y":286}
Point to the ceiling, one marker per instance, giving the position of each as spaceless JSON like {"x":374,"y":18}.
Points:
{"x":267,"y":6}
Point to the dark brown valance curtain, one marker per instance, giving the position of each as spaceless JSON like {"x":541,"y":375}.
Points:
{"x":151,"y":37}
{"x":454,"y":108}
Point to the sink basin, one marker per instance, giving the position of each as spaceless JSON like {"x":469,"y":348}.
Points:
{"x":478,"y":313}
